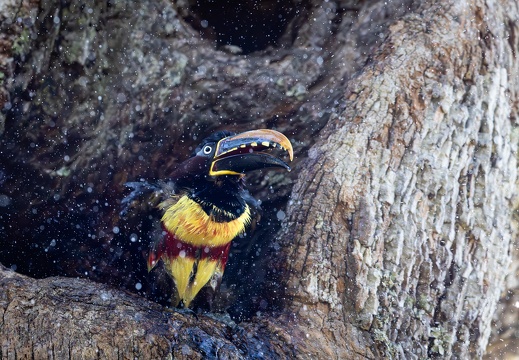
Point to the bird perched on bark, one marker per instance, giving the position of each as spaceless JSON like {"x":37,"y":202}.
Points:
{"x":204,"y":206}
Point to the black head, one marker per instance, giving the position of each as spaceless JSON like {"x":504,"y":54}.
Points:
{"x":226,"y":155}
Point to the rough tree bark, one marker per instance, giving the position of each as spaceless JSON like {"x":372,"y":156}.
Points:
{"x":398,"y":227}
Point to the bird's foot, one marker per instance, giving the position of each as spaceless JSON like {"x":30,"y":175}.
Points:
{"x":183,"y":311}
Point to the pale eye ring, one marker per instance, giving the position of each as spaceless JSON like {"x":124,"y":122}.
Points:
{"x":207,"y":149}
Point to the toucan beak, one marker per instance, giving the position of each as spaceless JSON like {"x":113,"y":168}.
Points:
{"x":250,"y":150}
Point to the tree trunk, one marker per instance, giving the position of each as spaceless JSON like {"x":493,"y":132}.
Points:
{"x":391,"y":238}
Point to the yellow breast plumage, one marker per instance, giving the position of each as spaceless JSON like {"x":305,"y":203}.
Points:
{"x":190,"y":223}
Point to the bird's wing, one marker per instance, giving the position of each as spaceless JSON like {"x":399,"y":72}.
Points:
{"x":143,"y":207}
{"x":145,"y":196}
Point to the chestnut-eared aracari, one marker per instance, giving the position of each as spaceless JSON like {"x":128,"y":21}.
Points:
{"x":204,"y":206}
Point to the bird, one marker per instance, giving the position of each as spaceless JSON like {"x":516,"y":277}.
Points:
{"x":204,"y":205}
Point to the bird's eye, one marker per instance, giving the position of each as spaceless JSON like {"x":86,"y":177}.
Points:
{"x":207,"y":149}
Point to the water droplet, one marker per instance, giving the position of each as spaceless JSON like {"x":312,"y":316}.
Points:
{"x":4,"y":200}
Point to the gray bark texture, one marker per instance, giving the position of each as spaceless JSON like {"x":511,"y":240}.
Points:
{"x":395,"y":235}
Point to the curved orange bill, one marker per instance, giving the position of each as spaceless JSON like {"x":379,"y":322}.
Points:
{"x":250,"y":150}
